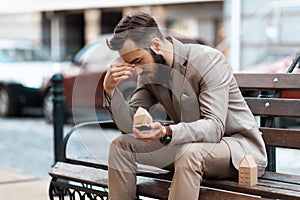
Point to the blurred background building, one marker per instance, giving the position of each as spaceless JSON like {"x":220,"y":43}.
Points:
{"x":248,"y":31}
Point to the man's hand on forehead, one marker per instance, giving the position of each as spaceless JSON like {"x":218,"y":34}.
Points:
{"x":117,"y":71}
{"x":121,"y":70}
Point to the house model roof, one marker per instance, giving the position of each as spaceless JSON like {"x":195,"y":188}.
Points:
{"x":248,"y":161}
{"x":142,"y":117}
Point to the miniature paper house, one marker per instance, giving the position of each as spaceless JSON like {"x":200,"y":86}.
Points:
{"x":142,"y":118}
{"x":248,"y":171}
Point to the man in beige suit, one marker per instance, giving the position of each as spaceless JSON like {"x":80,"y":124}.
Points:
{"x":213,"y":127}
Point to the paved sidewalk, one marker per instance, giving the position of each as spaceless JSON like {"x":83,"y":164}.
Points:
{"x":14,"y":186}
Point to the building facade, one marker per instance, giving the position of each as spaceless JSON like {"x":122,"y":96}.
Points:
{"x":66,"y":28}
{"x":267,"y":29}
{"x":247,"y":31}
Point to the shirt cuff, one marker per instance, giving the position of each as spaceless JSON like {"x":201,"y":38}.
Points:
{"x":107,"y":99}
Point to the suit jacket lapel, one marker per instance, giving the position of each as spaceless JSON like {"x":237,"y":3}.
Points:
{"x":177,"y":90}
{"x":178,"y":74}
{"x":166,"y":101}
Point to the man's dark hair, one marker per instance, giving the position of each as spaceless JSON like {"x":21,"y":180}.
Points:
{"x":139,"y":27}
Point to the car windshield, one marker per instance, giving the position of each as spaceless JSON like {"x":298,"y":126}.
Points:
{"x":22,"y":55}
{"x":96,"y":56}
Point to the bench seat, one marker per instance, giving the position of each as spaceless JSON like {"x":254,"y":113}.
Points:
{"x":84,"y":177}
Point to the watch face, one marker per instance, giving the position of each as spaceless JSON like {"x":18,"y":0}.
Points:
{"x":166,"y":140}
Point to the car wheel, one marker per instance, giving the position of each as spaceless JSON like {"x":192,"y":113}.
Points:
{"x":48,"y":107}
{"x":6,"y":106}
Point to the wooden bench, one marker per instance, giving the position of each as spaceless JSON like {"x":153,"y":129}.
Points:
{"x":86,"y":178}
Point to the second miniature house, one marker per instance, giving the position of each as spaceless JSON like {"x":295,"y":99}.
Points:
{"x":142,"y":118}
{"x":248,"y":171}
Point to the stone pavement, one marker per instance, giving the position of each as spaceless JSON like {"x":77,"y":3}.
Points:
{"x":15,"y":186}
{"x":26,"y":148}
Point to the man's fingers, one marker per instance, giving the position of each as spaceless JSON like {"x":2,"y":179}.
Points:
{"x":146,"y":137}
{"x":121,"y":68}
{"x":139,"y":135}
{"x":121,"y":73}
{"x":121,"y":65}
{"x":155,"y":125}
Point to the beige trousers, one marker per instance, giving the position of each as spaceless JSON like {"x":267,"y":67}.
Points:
{"x":190,"y":163}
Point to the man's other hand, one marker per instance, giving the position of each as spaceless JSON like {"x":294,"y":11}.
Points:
{"x":156,"y":132}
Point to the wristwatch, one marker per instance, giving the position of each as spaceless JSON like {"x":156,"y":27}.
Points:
{"x":168,"y":137}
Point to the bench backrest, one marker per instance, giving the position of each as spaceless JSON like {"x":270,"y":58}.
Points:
{"x":277,"y":96}
{"x":278,"y":104}
{"x":275,"y":104}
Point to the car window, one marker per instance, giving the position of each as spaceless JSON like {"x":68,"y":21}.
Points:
{"x":22,"y":55}
{"x":96,"y":56}
{"x":80,"y":56}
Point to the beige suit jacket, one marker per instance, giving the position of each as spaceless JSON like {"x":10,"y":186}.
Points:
{"x":206,"y":104}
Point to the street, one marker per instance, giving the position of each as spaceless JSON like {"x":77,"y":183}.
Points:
{"x":27,"y":146}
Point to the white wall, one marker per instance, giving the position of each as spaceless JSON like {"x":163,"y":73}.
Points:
{"x":24,"y":26}
{"x":198,"y":20}
{"x":267,"y":29}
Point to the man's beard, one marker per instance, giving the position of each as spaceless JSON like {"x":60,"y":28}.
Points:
{"x":159,"y":59}
{"x":161,"y":71}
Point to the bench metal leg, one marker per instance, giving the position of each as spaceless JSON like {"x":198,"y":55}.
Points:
{"x":73,"y":192}
{"x":271,"y":152}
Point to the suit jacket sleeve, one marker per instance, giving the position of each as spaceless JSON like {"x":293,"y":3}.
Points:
{"x":122,"y":112}
{"x":214,"y":79}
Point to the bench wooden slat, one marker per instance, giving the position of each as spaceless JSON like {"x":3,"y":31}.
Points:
{"x":279,"y":137}
{"x":213,"y":194}
{"x":293,"y":188}
{"x":79,"y":173}
{"x":89,"y":162}
{"x":264,"y":188}
{"x":280,"y":190}
{"x":160,"y":190}
{"x":268,"y":81}
{"x":274,"y":107}
{"x":282,"y":177}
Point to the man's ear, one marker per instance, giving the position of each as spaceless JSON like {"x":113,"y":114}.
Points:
{"x":155,"y":45}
